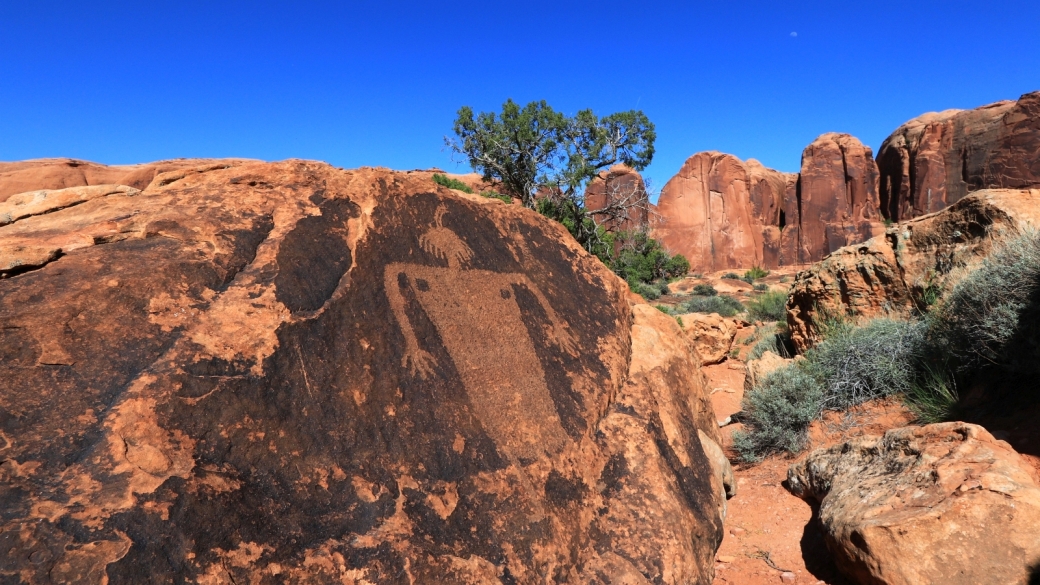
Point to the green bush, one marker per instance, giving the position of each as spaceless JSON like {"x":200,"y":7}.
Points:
{"x":721,"y":304}
{"x":768,"y":306}
{"x":705,"y":290}
{"x":496,"y":195}
{"x":778,"y":412}
{"x":647,"y":291}
{"x":642,"y":259}
{"x":761,"y":287}
{"x":754,"y":273}
{"x":933,"y":396}
{"x":444,"y":181}
{"x":731,"y":275}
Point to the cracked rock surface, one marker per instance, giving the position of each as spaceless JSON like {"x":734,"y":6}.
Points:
{"x":285,"y":372}
{"x":942,"y":503}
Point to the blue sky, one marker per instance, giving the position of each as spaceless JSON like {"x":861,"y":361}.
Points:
{"x":378,"y":83}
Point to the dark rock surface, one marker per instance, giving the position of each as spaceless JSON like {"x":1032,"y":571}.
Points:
{"x":257,"y":373}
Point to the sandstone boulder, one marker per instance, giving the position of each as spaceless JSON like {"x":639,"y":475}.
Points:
{"x":711,"y":335}
{"x":944,"y":503}
{"x":259,"y":372}
{"x":722,"y":213}
{"x":756,"y":370}
{"x":912,"y":263}
{"x":936,"y":159}
{"x":837,"y":195}
{"x":619,"y":195}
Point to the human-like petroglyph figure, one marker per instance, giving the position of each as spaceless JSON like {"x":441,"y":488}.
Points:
{"x":479,"y":321}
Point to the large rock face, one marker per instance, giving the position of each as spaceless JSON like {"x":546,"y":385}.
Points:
{"x":936,"y":159}
{"x":722,"y":213}
{"x":253,"y":372}
{"x":60,"y":173}
{"x":837,"y":195}
{"x":913,"y":262}
{"x":944,"y":503}
{"x":620,"y":196}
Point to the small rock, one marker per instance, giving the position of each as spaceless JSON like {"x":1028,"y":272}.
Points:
{"x":737,"y":531}
{"x":725,"y":559}
{"x":787,"y":577}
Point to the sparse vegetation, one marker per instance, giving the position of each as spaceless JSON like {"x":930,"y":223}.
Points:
{"x":496,"y":195}
{"x":445,"y":181}
{"x":778,"y":342}
{"x":933,"y":396}
{"x":761,"y":287}
{"x":778,"y":413}
{"x":768,"y":306}
{"x":731,"y":275}
{"x":754,"y":273}
{"x":705,"y":290}
{"x":721,"y":304}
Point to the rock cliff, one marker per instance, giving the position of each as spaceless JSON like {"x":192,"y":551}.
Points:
{"x":936,"y":159}
{"x":250,"y":372}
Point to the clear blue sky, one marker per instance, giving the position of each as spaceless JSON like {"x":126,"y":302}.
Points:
{"x":378,"y":83}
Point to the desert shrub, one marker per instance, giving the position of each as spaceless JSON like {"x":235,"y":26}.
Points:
{"x":642,"y":259}
{"x":778,"y":342}
{"x":761,"y":287}
{"x":933,"y":395}
{"x":732,"y":275}
{"x":647,"y":291}
{"x":678,"y":320}
{"x":705,"y":290}
{"x":496,"y":195}
{"x":783,"y":279}
{"x":450,"y":183}
{"x":721,"y":304}
{"x":851,"y":365}
{"x":755,"y":272}
{"x":990,"y":318}
{"x":768,"y":306}
{"x":778,"y":412}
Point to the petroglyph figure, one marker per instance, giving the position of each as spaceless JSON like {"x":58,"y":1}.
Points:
{"x":479,"y":321}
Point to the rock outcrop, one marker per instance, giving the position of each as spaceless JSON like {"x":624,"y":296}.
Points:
{"x":711,"y":335}
{"x":722,"y":213}
{"x":911,"y":264}
{"x":837,"y":195}
{"x":61,"y":173}
{"x":936,"y":159}
{"x":253,"y":372}
{"x":756,"y":370}
{"x":944,"y":503}
{"x":620,"y":196}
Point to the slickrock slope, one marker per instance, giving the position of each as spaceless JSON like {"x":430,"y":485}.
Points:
{"x":943,"y":503}
{"x":837,"y":195}
{"x":722,"y":213}
{"x":255,"y":372}
{"x":936,"y":159}
{"x":60,"y":173}
{"x":621,"y":193}
{"x":895,"y":272}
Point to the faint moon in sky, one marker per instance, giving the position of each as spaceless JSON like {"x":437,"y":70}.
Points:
{"x":794,"y":34}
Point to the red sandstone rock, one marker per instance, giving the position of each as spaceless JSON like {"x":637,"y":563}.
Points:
{"x":936,"y":159}
{"x":942,"y":503}
{"x":837,"y":194}
{"x":621,"y":194}
{"x":891,"y":274}
{"x":259,"y":372}
{"x":722,"y":213}
{"x":60,"y":173}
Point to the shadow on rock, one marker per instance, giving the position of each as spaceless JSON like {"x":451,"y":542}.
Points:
{"x":817,"y":557}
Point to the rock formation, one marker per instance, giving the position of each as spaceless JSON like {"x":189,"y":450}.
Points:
{"x":722,"y":213}
{"x":943,"y":503}
{"x":621,"y":193}
{"x":837,"y":196}
{"x":936,"y":159}
{"x":250,"y":372}
{"x":711,"y":335}
{"x":756,"y":370}
{"x":60,"y":173}
{"x":899,"y":271}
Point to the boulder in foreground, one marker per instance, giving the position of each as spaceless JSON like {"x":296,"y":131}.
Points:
{"x":250,"y":372}
{"x":943,"y":503}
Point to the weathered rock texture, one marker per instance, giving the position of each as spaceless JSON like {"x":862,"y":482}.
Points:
{"x":60,"y":173}
{"x":936,"y":159}
{"x":897,"y":272}
{"x":722,"y":213}
{"x":837,"y":195}
{"x":944,"y":503}
{"x":621,"y":195}
{"x":756,"y":370}
{"x":258,"y":372}
{"x":711,"y":335}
